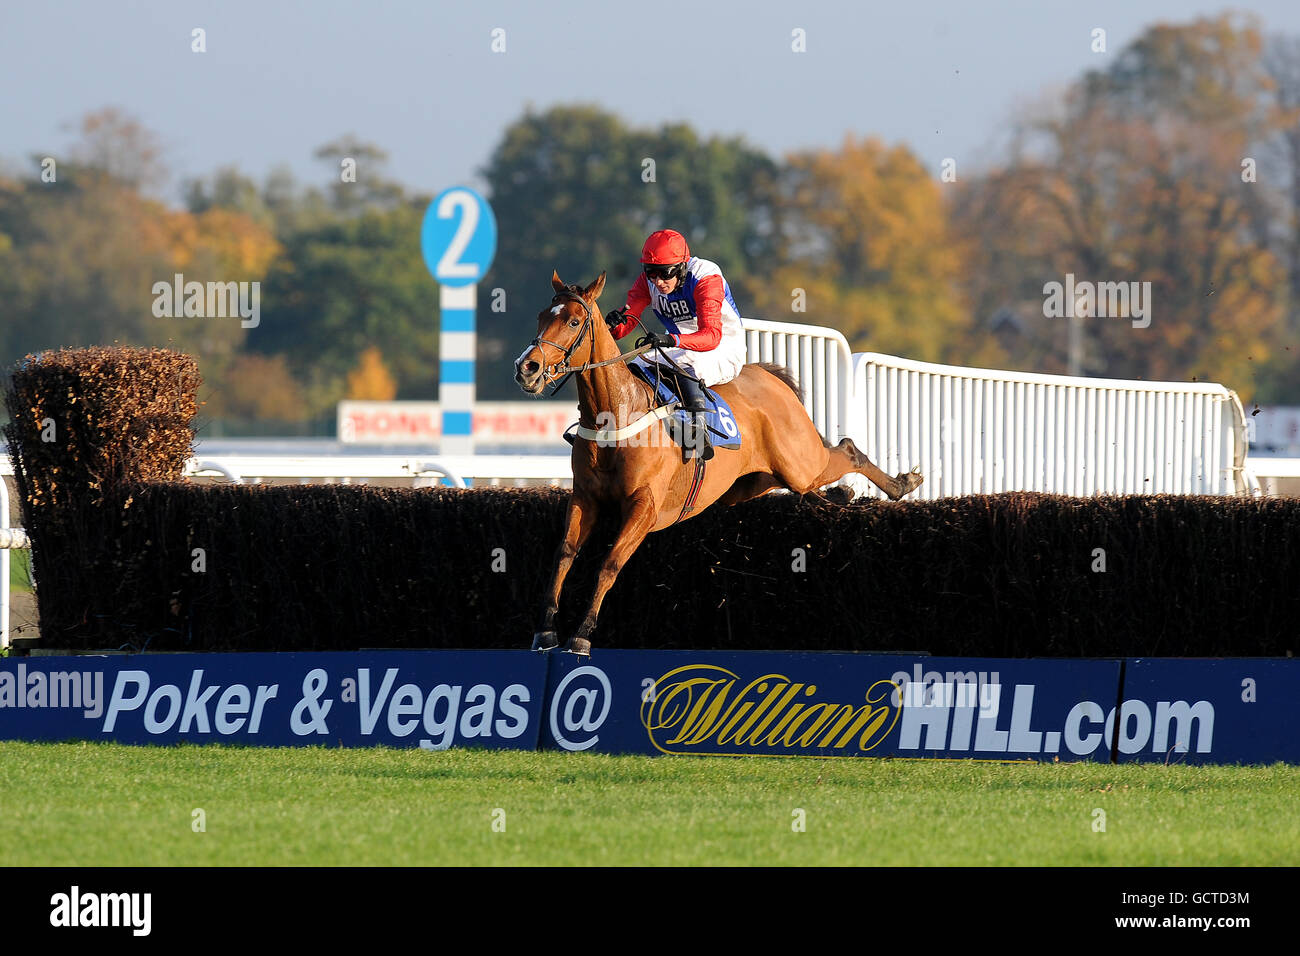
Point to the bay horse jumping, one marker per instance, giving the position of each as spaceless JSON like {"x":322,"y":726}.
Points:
{"x":647,"y":481}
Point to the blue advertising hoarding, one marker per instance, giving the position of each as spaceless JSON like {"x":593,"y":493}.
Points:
{"x":830,"y":705}
{"x":1240,"y":710}
{"x":670,"y":702}
{"x":431,"y":699}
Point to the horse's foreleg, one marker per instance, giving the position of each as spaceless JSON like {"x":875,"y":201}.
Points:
{"x":845,"y":458}
{"x":639,"y":515}
{"x":581,"y":519}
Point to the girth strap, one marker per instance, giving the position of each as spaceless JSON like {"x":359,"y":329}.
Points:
{"x":697,"y":482}
{"x":607,"y":435}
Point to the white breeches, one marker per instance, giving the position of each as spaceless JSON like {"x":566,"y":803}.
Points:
{"x":715,"y":367}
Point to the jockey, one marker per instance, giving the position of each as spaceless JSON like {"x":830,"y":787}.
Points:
{"x":705,"y":336}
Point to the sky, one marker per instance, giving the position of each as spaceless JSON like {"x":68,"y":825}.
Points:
{"x":420,"y":78}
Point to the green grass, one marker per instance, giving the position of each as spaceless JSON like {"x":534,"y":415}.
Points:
{"x":20,"y":578}
{"x":108,"y":804}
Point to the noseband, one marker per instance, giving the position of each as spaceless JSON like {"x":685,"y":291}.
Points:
{"x":562,"y":367}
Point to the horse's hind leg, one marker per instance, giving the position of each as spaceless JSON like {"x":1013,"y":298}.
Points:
{"x":845,"y":458}
{"x":581,"y":519}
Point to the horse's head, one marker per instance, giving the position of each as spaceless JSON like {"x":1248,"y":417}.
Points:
{"x":566,"y":335}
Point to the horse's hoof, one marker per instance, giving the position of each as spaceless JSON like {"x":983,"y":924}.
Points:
{"x":578,"y":646}
{"x":545,"y":640}
{"x":908,"y":482}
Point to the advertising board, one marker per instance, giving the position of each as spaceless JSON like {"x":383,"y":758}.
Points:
{"x":830,"y":705}
{"x":1240,"y":710}
{"x":432,"y":699}
{"x":707,"y":703}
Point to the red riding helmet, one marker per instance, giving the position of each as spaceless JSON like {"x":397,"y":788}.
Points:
{"x":665,"y":248}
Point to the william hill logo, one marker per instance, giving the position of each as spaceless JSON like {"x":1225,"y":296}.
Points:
{"x":703,"y":709}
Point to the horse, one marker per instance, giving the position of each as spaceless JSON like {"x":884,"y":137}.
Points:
{"x":647,"y":482}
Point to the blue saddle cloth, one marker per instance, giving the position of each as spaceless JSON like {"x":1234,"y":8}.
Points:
{"x":722,"y":423}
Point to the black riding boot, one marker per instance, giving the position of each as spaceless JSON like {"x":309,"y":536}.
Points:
{"x":695,"y":440}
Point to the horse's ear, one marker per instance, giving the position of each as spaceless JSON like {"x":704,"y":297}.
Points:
{"x":594,"y":290}
{"x":556,"y":282}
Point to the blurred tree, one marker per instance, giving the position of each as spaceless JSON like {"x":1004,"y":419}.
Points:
{"x":1138,"y":178}
{"x":576,"y":190}
{"x":85,"y":252}
{"x":117,"y":145}
{"x":722,"y":194}
{"x":228,"y":189}
{"x":1279,"y":181}
{"x":254,"y":387}
{"x":871,"y":248}
{"x":76,"y":271}
{"x":239,"y":245}
{"x":1009,"y":235}
{"x":343,"y":286}
{"x":359,"y":181}
{"x":1208,"y":73}
{"x":346,"y":274}
{"x":370,"y":380}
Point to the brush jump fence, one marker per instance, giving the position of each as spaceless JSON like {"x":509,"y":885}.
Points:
{"x":970,"y":431}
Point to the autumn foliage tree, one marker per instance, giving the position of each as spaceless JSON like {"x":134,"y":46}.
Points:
{"x":254,"y":387}
{"x":370,"y":380}
{"x":1138,"y":176}
{"x":85,"y":249}
{"x":871,"y":253}
{"x":576,"y":189}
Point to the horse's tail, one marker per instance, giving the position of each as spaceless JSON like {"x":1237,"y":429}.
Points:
{"x":786,"y":376}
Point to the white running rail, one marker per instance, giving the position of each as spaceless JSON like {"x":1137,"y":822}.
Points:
{"x":820,"y":361}
{"x":979,"y":431}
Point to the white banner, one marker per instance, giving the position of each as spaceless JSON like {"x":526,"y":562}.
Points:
{"x":517,"y":424}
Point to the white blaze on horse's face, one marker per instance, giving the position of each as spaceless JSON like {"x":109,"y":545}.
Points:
{"x":520,"y":361}
{"x":535,"y":361}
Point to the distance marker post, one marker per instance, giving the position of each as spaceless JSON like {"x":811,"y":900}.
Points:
{"x":458,"y":240}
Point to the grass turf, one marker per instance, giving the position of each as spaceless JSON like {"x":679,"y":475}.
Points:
{"x":20,"y":578}
{"x":110,"y":804}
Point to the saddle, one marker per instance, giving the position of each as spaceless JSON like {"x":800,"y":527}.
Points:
{"x":723,"y":430}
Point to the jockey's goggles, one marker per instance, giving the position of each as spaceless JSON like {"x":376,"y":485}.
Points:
{"x":674,"y":271}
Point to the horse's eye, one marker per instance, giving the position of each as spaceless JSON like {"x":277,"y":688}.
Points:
{"x":574,"y":323}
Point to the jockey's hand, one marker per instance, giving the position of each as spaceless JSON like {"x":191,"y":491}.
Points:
{"x":615,"y":317}
{"x":660,"y":340}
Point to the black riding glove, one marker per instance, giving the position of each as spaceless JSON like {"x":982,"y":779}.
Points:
{"x":615,"y":318}
{"x":660,"y":340}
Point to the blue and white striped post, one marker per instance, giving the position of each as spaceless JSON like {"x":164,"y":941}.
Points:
{"x":458,"y":240}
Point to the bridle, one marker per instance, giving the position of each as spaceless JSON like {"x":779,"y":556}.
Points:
{"x":562,"y":368}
